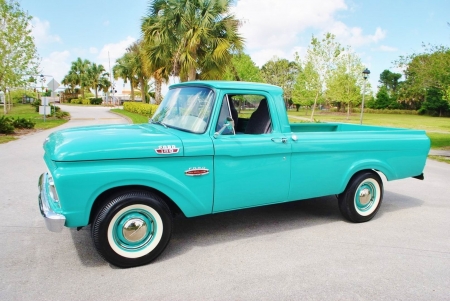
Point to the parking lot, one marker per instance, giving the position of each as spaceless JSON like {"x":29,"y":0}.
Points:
{"x":293,"y":251}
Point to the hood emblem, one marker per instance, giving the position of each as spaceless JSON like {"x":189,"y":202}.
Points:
{"x":196,"y":171}
{"x":167,"y":149}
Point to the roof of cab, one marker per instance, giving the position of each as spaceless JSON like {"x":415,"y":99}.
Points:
{"x":218,"y":84}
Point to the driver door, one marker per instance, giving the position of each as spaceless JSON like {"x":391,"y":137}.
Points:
{"x":250,"y":169}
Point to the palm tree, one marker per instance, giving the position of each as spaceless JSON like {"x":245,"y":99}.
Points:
{"x":70,"y":80}
{"x":157,"y":61}
{"x":142,"y":69}
{"x":125,"y":68}
{"x":79,"y":73}
{"x":195,"y":36}
{"x":98,"y":78}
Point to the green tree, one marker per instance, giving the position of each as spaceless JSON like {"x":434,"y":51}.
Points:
{"x":70,"y":81}
{"x":125,"y":68}
{"x":342,"y":88}
{"x":281,"y":72}
{"x":323,"y":55}
{"x":198,"y":36}
{"x":242,"y":68}
{"x":424,"y":71}
{"x":306,"y":87}
{"x":78,"y":74}
{"x":98,"y":78}
{"x":18,"y":54}
{"x":434,"y":103}
{"x":390,"y":81}
{"x":382,"y":100}
{"x":345,"y":82}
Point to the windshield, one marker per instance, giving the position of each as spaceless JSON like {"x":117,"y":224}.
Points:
{"x":186,"y":108}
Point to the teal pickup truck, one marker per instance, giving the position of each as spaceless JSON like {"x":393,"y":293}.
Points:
{"x":213,"y":146}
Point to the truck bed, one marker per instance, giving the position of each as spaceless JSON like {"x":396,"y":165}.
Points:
{"x":339,"y":127}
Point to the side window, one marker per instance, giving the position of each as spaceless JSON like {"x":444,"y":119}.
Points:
{"x":253,"y":114}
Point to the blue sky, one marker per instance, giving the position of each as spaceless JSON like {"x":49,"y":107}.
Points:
{"x":378,"y":30}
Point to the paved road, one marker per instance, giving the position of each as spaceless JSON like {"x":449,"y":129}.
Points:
{"x":302,"y":250}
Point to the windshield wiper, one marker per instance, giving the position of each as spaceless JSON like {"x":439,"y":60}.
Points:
{"x":158,"y":122}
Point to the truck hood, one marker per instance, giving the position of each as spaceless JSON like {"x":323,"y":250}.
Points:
{"x":107,"y":142}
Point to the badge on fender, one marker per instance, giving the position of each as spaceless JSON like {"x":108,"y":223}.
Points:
{"x":167,"y":149}
{"x":196,"y":171}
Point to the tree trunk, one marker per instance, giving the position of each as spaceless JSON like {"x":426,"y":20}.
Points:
{"x":314,"y":106}
{"x":143,"y":90}
{"x":10,"y":100}
{"x":236,"y":75}
{"x":96,"y":91}
{"x":158,"y":85}
{"x":192,"y":74}
{"x":132,"y":89}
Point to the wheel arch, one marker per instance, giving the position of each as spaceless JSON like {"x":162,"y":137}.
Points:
{"x":109,"y":193}
{"x":383,"y":170}
{"x":374,"y":171}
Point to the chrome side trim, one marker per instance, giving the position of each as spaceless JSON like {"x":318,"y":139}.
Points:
{"x":54,"y":221}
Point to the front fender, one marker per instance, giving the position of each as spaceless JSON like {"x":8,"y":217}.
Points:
{"x":80,"y":185}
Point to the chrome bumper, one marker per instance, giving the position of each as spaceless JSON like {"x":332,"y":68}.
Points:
{"x":54,"y":221}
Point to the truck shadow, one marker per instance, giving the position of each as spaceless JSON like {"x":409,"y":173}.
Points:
{"x":229,"y":226}
{"x":219,"y":228}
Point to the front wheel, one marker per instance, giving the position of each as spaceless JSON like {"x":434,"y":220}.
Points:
{"x":132,"y":229}
{"x":362,"y":198}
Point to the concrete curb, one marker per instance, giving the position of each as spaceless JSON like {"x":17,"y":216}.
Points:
{"x":437,"y":152}
{"x":128,"y":119}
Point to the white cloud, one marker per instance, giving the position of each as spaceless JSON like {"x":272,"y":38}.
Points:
{"x":387,"y":48}
{"x":40,"y":30}
{"x":115,"y":51}
{"x":267,"y":24}
{"x":354,"y":36}
{"x":278,"y":28}
{"x":57,"y":64}
{"x":93,"y":50}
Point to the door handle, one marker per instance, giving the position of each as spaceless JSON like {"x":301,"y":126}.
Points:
{"x":279,"y":140}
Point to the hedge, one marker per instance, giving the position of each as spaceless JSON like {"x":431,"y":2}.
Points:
{"x":140,"y":108}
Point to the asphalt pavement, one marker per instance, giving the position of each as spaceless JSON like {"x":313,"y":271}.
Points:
{"x":297,"y":251}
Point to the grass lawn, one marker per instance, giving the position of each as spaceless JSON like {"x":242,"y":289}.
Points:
{"x":136,"y":118}
{"x":27,"y":111}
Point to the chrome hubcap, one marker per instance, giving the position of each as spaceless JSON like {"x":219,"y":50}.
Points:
{"x":364,"y":196}
{"x":134,"y":229}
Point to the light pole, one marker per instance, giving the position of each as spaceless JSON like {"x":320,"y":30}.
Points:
{"x":366,"y":73}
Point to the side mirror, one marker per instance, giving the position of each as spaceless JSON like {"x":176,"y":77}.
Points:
{"x":229,"y":124}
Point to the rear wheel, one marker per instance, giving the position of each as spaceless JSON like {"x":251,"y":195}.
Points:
{"x":362,"y":198}
{"x":132,"y":229}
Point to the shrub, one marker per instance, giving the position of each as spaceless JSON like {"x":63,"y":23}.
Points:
{"x":22,"y":123}
{"x":6,"y":126}
{"x":61,"y":114}
{"x":69,"y":99}
{"x":85,"y":101}
{"x":140,"y":108}
{"x":36,"y":103}
{"x":76,"y":101}
{"x":96,"y":101}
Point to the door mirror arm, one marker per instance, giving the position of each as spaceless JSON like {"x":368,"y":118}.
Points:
{"x":229,"y":124}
